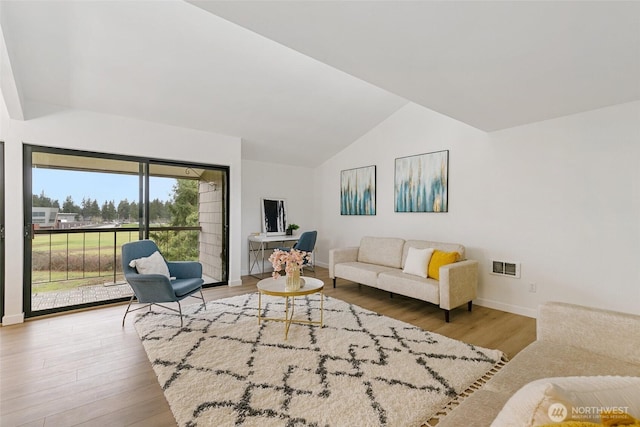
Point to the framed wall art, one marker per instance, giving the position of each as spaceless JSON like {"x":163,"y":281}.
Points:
{"x":274,"y":216}
{"x":421,"y":183}
{"x":358,"y":191}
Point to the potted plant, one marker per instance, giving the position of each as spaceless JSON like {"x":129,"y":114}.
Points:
{"x":292,"y":227}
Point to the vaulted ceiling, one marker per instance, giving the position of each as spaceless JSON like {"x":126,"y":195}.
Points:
{"x":316,"y":75}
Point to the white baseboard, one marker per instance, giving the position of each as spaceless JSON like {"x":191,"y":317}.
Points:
{"x":509,"y":308}
{"x":13,"y":319}
{"x":237,"y":282}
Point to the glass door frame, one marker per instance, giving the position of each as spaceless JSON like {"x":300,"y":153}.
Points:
{"x":2,"y":231}
{"x":143,"y":213}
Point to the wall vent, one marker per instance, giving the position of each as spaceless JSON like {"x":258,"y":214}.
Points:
{"x":505,"y":268}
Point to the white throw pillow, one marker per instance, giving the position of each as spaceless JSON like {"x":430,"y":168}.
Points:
{"x":417,"y":261}
{"x":153,"y":264}
{"x":551,"y":400}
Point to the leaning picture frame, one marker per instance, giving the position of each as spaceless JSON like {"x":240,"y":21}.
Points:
{"x":358,"y":191}
{"x":273,"y":215}
{"x":421,"y":183}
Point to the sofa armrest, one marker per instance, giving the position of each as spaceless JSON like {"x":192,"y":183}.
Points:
{"x":599,"y":331}
{"x":458,"y":283}
{"x":336,"y":256}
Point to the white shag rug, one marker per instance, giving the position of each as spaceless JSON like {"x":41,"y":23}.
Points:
{"x":361,"y":368}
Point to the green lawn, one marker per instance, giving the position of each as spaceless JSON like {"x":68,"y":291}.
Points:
{"x":90,"y":242}
{"x":59,"y":260}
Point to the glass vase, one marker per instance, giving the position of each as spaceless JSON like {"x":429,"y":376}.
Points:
{"x":293,"y":278}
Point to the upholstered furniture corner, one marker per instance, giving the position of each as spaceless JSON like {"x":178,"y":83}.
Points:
{"x":185,"y":278}
{"x":572,"y":341}
{"x":339,"y":256}
{"x":379,"y":262}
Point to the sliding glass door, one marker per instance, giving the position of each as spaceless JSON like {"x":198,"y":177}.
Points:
{"x":83,"y":206}
{"x":1,"y":230}
{"x":195,"y":223}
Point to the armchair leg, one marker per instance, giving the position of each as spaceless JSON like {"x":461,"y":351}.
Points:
{"x":128,"y":307}
{"x":204,"y":303}
{"x":446,"y":316}
{"x":334,"y":282}
{"x":469,"y":305}
{"x":180,"y":311}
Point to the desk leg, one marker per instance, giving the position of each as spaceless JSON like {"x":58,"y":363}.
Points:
{"x":261,"y":251}
{"x":256,"y":259}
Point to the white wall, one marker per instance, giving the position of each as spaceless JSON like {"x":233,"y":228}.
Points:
{"x":293,"y":183}
{"x":110,"y":134}
{"x":561,"y":197}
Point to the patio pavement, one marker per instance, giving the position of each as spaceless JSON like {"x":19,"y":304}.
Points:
{"x":80,"y":295}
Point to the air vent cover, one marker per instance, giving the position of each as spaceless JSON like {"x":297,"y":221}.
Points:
{"x":505,"y":268}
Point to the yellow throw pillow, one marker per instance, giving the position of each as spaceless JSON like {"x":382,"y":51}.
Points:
{"x":440,"y":258}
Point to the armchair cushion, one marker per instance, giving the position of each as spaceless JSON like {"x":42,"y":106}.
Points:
{"x":153,"y":264}
{"x":184,"y":287}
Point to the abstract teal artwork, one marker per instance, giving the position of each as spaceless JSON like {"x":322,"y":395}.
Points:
{"x":421,"y":183}
{"x":358,"y":191}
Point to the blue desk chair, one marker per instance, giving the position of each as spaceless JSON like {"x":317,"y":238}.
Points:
{"x":306,"y":243}
{"x":185,"y":278}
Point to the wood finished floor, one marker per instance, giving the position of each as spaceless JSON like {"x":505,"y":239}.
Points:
{"x":83,"y":368}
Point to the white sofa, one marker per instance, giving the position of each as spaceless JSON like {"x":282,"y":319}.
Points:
{"x":379,"y":261}
{"x":572,"y":341}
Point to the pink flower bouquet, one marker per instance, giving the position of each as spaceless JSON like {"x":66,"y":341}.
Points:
{"x":291,"y":260}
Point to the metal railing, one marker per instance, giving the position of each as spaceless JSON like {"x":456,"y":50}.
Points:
{"x":89,"y":253}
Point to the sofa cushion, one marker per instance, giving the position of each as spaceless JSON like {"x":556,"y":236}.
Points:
{"x":385,"y":251}
{"x":360,"y":272}
{"x":542,"y":359}
{"x":533,"y":404}
{"x":569,"y":324}
{"x":422,"y":244}
{"x":409,"y":285}
{"x":417,"y":262}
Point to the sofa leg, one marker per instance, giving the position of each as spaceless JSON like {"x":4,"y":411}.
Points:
{"x":390,"y":294}
{"x":469,"y":305}
{"x":446,"y":316}
{"x":334,"y":282}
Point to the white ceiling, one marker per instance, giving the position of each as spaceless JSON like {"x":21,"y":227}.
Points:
{"x":316,"y":75}
{"x":490,"y":64}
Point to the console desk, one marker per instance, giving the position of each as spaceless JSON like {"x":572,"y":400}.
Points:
{"x":257,"y":246}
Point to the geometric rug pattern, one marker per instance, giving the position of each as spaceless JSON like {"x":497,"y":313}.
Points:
{"x":361,"y":369}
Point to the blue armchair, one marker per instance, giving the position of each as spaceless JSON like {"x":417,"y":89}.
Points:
{"x":185,"y":279}
{"x":306,"y":243}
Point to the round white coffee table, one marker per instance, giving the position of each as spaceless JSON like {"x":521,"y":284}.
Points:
{"x":276,"y":287}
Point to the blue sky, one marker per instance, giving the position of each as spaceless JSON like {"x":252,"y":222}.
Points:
{"x":58,"y":184}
